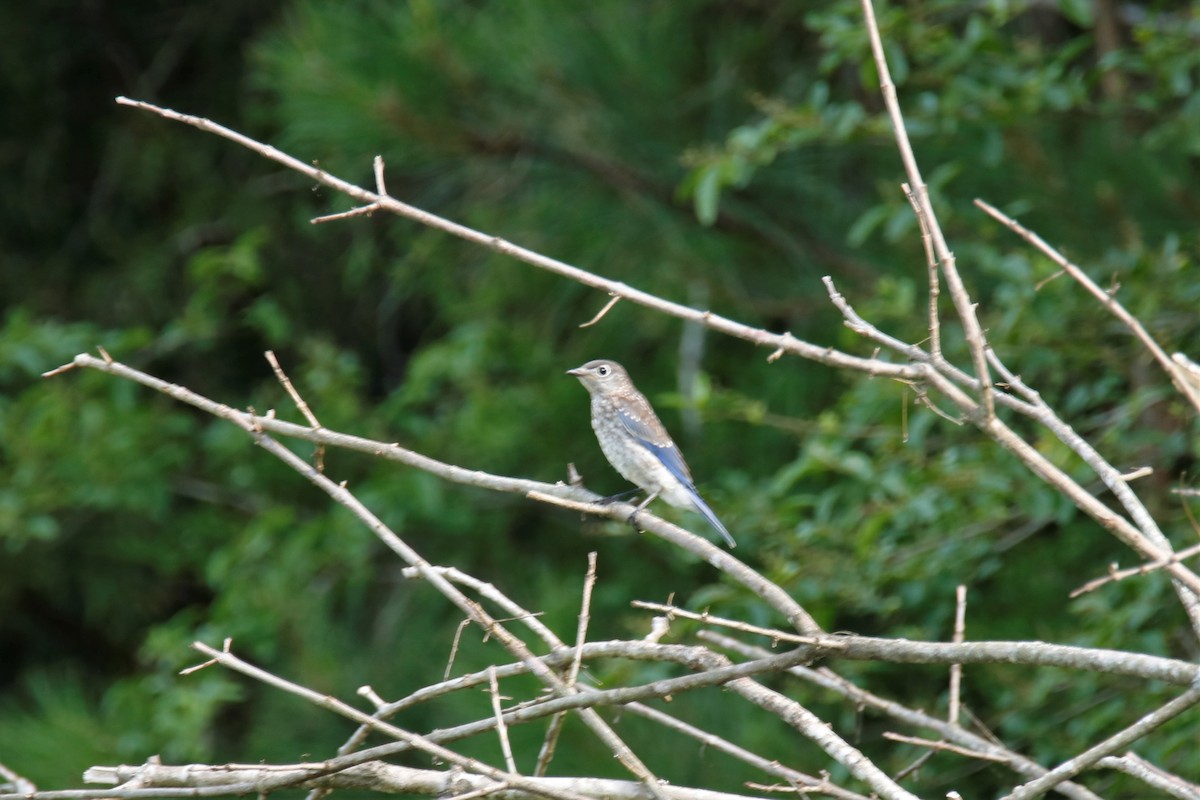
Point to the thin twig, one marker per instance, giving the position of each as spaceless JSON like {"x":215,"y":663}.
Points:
{"x":225,"y":645}
{"x":824,"y":787}
{"x":291,"y":390}
{"x":922,"y":397}
{"x":50,"y":373}
{"x":855,"y":322}
{"x":1134,"y":474}
{"x":281,"y":376}
{"x":360,"y":211}
{"x":369,"y":693}
{"x":458,"y":632}
{"x":773,"y":634}
{"x":380,"y":185}
{"x":1115,"y":574}
{"x":960,"y":627}
{"x":554,"y":730}
{"x":585,"y":615}
{"x":935,"y":325}
{"x":501,"y":728}
{"x":917,"y":763}
{"x":946,"y":746}
{"x":600,"y":314}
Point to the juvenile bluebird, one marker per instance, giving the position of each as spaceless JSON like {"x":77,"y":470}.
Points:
{"x":637,"y":444}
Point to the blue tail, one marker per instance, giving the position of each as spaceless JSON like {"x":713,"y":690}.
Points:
{"x":708,"y":514}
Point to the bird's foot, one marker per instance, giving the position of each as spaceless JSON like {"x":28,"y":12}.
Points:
{"x":633,"y":517}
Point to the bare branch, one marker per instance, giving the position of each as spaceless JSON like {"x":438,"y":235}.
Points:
{"x":227,"y":779}
{"x":719,"y":558}
{"x":982,"y":415}
{"x":498,"y":715}
{"x":600,"y":314}
{"x":1139,"y":539}
{"x":286,"y":382}
{"x":556,"y":722}
{"x":777,"y":341}
{"x":1178,"y":375}
{"x":15,"y":782}
{"x":771,"y":633}
{"x":1115,"y":574}
{"x":1133,"y":764}
{"x":833,"y":682}
{"x":971,"y":396}
{"x":1144,"y":536}
{"x":380,"y":185}
{"x":340,"y":494}
{"x":1119,"y":741}
{"x":945,"y":746}
{"x":906,"y":651}
{"x":560,"y":494}
{"x":301,"y":406}
{"x":413,"y":740}
{"x":716,"y":670}
{"x":856,"y":323}
{"x":935,"y":324}
{"x":799,"y":780}
{"x":963,"y":304}
{"x":514,"y":645}
{"x":960,"y":627}
{"x":361,"y":211}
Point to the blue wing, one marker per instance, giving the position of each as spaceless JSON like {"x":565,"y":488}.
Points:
{"x":639,"y":419}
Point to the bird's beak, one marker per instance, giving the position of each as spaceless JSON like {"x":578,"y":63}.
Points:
{"x":578,"y":372}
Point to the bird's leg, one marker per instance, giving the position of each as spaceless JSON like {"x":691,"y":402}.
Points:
{"x":633,"y":517}
{"x":613,"y":498}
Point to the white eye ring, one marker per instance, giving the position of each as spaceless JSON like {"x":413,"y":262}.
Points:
{"x":602,"y":370}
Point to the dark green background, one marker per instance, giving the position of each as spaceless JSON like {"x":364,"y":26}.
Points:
{"x":721,"y":154}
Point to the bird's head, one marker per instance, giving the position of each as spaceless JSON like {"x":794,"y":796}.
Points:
{"x":602,"y":377}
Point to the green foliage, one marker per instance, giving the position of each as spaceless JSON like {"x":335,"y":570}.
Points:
{"x":724,"y":155}
{"x":58,"y":710}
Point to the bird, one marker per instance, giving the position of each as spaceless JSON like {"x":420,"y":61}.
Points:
{"x":636,"y":444}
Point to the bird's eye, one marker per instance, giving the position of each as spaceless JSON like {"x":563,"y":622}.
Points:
{"x":603,"y":370}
